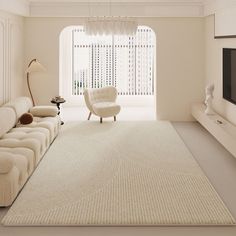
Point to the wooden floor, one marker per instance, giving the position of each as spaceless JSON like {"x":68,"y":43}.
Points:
{"x":216,"y":162}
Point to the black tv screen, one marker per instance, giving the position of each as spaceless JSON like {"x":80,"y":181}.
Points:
{"x":229,"y":74}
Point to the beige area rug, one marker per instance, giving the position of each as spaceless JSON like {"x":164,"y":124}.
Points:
{"x":122,"y":173}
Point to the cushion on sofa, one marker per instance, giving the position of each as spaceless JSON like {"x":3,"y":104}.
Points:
{"x":44,"y":111}
{"x":41,"y":135}
{"x":26,"y":152}
{"x":26,"y":142}
{"x":21,"y":105}
{"x":6,"y":162}
{"x":20,"y":162}
{"x":50,"y":126}
{"x":7,"y":119}
{"x":20,"y":132}
{"x":55,"y":121}
{"x":26,"y":118}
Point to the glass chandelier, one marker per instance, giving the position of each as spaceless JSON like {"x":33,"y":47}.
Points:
{"x":110,"y":24}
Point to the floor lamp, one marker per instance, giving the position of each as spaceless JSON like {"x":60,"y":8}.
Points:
{"x":34,"y":66}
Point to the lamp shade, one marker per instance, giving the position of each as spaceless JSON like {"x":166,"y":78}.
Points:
{"x":35,"y":66}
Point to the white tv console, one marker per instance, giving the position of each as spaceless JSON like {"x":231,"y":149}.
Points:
{"x":220,"y":128}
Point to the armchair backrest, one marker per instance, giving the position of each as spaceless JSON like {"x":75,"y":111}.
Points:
{"x":105,"y":94}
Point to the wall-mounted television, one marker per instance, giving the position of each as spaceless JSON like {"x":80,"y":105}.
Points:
{"x":229,"y":74}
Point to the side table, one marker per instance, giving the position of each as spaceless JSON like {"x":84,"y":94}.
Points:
{"x":58,"y":102}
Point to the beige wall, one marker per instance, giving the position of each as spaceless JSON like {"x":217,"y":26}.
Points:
{"x":180,"y":66}
{"x":214,"y":69}
{"x":12,"y":81}
{"x":180,"y":60}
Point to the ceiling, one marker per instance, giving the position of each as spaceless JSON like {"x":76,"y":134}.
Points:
{"x":136,"y":8}
{"x":123,"y":1}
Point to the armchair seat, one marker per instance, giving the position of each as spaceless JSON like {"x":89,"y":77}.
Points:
{"x":106,"y":109}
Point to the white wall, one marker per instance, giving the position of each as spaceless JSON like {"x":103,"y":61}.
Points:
{"x":180,"y":66}
{"x":180,"y":60}
{"x":18,"y":7}
{"x":225,"y":22}
{"x":213,"y":6}
{"x":12,"y":81}
{"x":214,"y":69}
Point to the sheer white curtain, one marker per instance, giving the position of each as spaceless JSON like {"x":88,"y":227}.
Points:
{"x":123,"y":61}
{"x":65,"y":62}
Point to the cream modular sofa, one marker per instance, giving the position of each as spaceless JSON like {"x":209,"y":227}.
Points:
{"x":23,"y":146}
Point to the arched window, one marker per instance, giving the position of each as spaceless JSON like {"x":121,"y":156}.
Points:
{"x":124,"y":61}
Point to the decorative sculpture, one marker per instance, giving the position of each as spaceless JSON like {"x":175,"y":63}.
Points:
{"x":208,"y":101}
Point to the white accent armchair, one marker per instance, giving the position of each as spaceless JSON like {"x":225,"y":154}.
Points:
{"x":102,"y":102}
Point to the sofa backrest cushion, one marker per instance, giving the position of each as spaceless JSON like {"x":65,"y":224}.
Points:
{"x":44,"y":111}
{"x":20,"y":105}
{"x":7,"y":119}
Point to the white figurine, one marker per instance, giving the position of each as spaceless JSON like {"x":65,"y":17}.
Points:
{"x":208,"y":101}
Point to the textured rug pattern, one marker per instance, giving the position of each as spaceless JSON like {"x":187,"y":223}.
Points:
{"x":123,"y":173}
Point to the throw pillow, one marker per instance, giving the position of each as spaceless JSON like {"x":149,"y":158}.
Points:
{"x":26,"y":119}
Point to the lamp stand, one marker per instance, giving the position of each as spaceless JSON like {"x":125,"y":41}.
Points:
{"x":28,"y":84}
{"x":30,"y":89}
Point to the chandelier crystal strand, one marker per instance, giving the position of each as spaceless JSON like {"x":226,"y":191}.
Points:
{"x":116,"y":25}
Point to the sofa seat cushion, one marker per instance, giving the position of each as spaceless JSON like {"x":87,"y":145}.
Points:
{"x":26,"y":152}
{"x":6,"y":163}
{"x":44,"y":111}
{"x":34,"y":140}
{"x":30,"y":143}
{"x":8,"y":160}
{"x":40,"y":134}
{"x":45,"y":122}
{"x":30,"y":131}
{"x":54,"y":121}
{"x":9,"y":186}
{"x":21,"y":163}
{"x":106,"y":109}
{"x":14,"y":177}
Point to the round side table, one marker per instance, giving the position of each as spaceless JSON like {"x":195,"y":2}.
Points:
{"x":58,"y":102}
